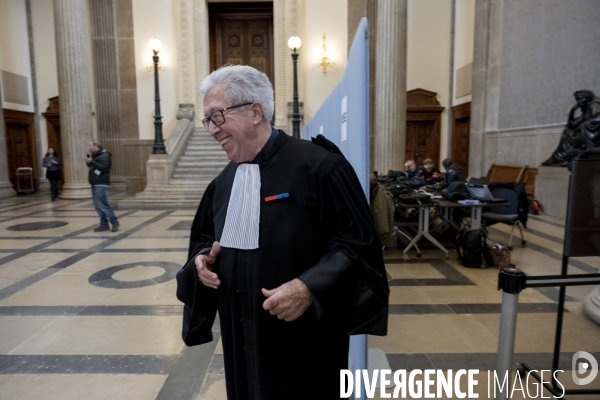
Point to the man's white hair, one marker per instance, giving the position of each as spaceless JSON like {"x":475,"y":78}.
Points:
{"x":243,"y":84}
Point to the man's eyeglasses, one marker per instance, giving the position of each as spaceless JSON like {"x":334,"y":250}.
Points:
{"x":218,"y":117}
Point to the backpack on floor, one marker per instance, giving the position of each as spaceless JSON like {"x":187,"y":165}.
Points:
{"x":499,"y":256}
{"x":471,"y":248}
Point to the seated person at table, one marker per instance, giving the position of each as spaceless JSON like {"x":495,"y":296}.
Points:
{"x":454,"y":172}
{"x":429,"y":173}
{"x":410,"y":167}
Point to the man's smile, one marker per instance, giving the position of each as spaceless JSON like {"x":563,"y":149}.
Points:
{"x":224,"y":140}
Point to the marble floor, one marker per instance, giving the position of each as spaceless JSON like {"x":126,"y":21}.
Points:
{"x":87,"y":315}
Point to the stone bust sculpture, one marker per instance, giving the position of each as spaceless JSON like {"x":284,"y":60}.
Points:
{"x":582,"y":133}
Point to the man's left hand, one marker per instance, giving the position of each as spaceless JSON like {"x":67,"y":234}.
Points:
{"x":288,"y":301}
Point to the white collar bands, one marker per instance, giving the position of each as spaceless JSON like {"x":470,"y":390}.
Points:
{"x":243,"y":211}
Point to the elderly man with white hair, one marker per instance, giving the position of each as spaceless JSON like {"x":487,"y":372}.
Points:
{"x":284,"y":246}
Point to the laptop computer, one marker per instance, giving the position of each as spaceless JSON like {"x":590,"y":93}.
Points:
{"x":481,"y":192}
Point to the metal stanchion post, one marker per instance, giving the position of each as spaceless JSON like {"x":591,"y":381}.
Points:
{"x":511,"y":281}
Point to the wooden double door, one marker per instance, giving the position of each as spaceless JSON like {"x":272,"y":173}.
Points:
{"x":52,"y":116}
{"x":423,"y":126}
{"x":242,"y":33}
{"x":461,"y":128}
{"x":21,"y":149}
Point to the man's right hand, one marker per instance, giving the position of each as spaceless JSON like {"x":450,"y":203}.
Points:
{"x":204,"y":263}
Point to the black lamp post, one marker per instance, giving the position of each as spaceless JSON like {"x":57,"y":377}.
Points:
{"x":159,"y":145}
{"x":294,"y":44}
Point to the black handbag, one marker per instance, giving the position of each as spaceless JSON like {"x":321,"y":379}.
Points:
{"x":200,"y":305}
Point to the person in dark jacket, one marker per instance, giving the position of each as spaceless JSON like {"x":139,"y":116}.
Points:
{"x":429,"y":172}
{"x":52,"y":163}
{"x":99,"y":164}
{"x":410,"y":167}
{"x":454,"y":172}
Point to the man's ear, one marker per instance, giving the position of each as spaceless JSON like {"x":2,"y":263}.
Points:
{"x":257,"y":113}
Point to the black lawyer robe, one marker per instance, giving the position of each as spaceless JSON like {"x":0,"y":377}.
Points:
{"x":323,"y":234}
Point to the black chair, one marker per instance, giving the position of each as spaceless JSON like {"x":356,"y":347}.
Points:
{"x":505,"y":214}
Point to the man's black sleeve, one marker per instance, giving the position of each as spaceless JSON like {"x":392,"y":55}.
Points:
{"x":349,"y":282}
{"x":200,"y":302}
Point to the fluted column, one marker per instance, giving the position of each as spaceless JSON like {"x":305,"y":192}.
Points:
{"x":6,"y":188}
{"x":106,"y":79}
{"x":389,"y":86}
{"x":115,"y":84}
{"x":74,"y":87}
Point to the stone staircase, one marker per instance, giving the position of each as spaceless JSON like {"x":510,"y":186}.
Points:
{"x":200,"y":161}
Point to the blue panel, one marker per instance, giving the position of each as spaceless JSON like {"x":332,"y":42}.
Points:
{"x":354,"y":86}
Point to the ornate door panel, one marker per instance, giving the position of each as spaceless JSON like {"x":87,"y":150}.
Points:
{"x":461,"y":130}
{"x":259,"y":35}
{"x":423,"y":126}
{"x":419,"y":141}
{"x":242,"y":34}
{"x":232,"y":44}
{"x":52,"y":116}
{"x":21,"y":149}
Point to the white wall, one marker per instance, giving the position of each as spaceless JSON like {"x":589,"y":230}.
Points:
{"x":44,"y":48}
{"x":156,"y":19}
{"x":159,"y":19}
{"x":464,"y":32}
{"x":329,"y":17}
{"x":428,"y":54}
{"x":14,"y":46}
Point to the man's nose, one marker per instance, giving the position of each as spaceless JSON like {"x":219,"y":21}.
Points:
{"x":213,"y":129}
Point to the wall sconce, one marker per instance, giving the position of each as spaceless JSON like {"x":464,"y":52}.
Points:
{"x":155,"y":46}
{"x":325,"y":62}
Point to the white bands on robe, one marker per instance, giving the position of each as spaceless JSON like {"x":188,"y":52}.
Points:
{"x":243,"y":211}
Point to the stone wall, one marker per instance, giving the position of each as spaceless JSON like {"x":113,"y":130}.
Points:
{"x":529,"y":58}
{"x":549,"y":50}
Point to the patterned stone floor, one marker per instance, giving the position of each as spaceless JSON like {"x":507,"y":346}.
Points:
{"x":87,"y":315}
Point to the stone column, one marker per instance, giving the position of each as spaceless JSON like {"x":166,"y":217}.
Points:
{"x":485,"y":102}
{"x":357,"y":9}
{"x":44,"y":184}
{"x":389,"y":90}
{"x":478,"y":95}
{"x":115,"y":83}
{"x":6,"y":188}
{"x":75,"y":91}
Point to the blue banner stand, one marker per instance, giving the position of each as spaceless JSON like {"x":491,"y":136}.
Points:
{"x":343,"y":118}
